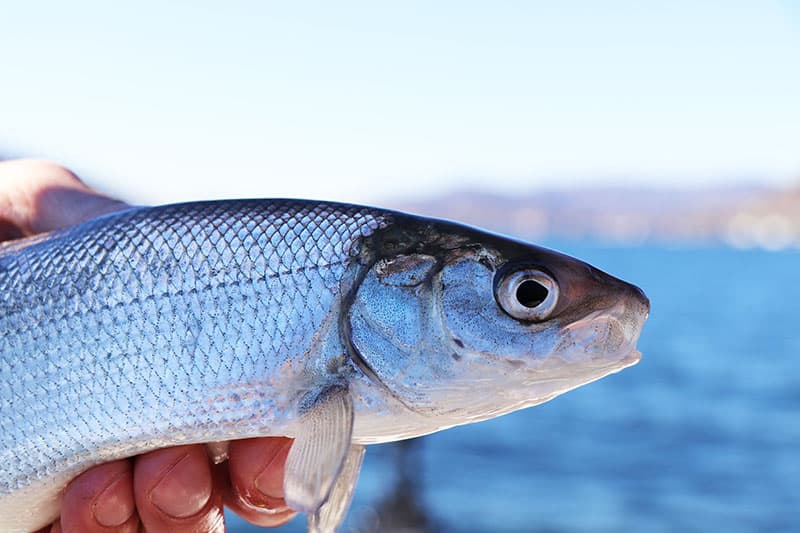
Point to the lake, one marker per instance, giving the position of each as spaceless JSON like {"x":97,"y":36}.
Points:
{"x":702,"y":435}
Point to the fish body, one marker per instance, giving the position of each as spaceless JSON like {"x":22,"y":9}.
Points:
{"x":337,"y":325}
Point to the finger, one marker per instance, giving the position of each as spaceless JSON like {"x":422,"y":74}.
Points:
{"x":174,"y":491}
{"x":100,"y":500}
{"x":39,"y":196}
{"x":256,"y":469}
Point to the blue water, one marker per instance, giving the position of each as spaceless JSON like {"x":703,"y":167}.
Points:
{"x":702,"y":435}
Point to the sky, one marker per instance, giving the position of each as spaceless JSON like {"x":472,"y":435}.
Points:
{"x":359,"y":101}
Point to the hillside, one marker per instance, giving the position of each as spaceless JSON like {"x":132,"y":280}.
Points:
{"x":738,"y":216}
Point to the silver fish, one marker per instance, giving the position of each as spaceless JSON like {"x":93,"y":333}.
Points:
{"x":337,"y":325}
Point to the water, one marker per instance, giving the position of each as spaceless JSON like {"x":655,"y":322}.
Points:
{"x":702,"y":435}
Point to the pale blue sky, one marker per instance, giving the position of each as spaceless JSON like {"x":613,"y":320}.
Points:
{"x":162,"y":101}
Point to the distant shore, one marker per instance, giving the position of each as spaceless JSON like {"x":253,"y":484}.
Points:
{"x":737,"y":216}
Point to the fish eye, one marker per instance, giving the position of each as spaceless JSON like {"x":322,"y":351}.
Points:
{"x":529,"y":294}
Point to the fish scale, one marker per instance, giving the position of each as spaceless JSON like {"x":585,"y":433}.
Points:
{"x":84,"y":321}
{"x":337,"y":325}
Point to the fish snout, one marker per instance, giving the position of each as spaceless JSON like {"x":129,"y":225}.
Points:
{"x":628,"y":313}
{"x":615,"y":291}
{"x":606,"y":333}
{"x":637,"y":297}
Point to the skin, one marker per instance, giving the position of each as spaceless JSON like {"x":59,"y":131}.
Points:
{"x":173,"y":489}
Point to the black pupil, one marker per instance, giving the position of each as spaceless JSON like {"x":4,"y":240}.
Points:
{"x":530,"y":293}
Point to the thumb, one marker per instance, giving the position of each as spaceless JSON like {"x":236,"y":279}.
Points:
{"x":39,"y":196}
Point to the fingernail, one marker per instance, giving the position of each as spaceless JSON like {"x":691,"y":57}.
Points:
{"x":183,"y":490}
{"x":114,"y":506}
{"x":270,"y":481}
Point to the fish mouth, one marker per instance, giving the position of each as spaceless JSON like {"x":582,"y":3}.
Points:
{"x":558,"y":375}
{"x":632,"y":358}
{"x":604,"y":338}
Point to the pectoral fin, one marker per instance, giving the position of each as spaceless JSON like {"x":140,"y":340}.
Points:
{"x":332,"y":513}
{"x":321,"y":445}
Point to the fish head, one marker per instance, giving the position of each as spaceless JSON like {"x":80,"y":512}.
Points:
{"x":465,"y":325}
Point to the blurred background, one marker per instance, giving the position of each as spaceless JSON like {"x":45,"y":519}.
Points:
{"x":657,"y":140}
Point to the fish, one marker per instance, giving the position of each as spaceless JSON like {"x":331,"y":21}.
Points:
{"x":334,"y":324}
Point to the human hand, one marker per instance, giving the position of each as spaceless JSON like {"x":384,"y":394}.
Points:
{"x":173,"y":489}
